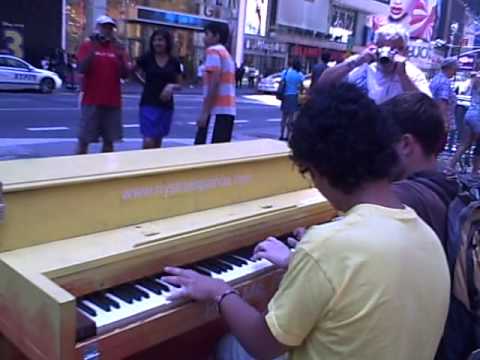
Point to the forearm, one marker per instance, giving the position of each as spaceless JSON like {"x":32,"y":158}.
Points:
{"x":209,"y":100}
{"x":443,"y":105}
{"x":250,"y":328}
{"x":336,"y":74}
{"x":85,"y":64}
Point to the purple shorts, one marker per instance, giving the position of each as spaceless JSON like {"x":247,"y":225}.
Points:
{"x":155,"y":121}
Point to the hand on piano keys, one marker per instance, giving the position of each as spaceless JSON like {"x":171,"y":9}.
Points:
{"x":205,"y":287}
{"x":114,"y":307}
{"x":274,"y":251}
{"x":194,"y":285}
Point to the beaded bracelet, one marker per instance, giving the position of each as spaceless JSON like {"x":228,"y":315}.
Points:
{"x":222,"y":297}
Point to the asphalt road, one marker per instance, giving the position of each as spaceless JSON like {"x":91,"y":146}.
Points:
{"x":36,"y":125}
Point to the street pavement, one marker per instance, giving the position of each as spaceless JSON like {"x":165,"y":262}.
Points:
{"x":37,"y":125}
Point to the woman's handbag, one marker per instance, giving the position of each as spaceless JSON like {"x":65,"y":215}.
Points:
{"x":281,"y":87}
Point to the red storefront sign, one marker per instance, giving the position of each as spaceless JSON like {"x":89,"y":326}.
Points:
{"x":314,"y":52}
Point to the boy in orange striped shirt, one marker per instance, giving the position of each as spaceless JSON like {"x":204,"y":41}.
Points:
{"x":219,"y":88}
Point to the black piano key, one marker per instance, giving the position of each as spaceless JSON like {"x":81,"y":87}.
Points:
{"x":132,"y":292}
{"x":160,"y":276}
{"x":84,"y":307}
{"x":122,"y":294}
{"x":164,"y":287}
{"x":233,"y":260}
{"x":201,"y":271}
{"x":223,"y":264}
{"x":245,"y":254}
{"x":212,"y":267}
{"x":151,"y":285}
{"x":142,"y":293}
{"x":219,"y":265}
{"x":109,"y":301}
{"x":100,"y":301}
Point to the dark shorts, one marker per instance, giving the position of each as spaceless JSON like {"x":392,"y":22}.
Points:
{"x":155,"y":121}
{"x":100,"y":122}
{"x":222,"y":130}
{"x":290,"y":104}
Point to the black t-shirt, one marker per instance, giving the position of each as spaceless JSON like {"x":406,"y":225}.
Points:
{"x":156,"y":78}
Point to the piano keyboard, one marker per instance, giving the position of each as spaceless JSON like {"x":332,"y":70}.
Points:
{"x":115,"y":307}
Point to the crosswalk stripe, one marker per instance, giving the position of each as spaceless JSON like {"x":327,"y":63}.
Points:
{"x":51,"y":128}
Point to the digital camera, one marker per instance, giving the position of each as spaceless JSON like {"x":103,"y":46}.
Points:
{"x":98,"y":37}
{"x":386,"y":55}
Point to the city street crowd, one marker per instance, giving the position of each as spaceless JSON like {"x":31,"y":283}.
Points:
{"x":396,"y":277}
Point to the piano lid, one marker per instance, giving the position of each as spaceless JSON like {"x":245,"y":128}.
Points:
{"x":57,"y":198}
{"x":29,"y":174}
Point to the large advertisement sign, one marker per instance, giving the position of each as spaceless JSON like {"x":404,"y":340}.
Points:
{"x":418,"y":16}
{"x":256,"y":17}
{"x":304,"y":14}
{"x":11,"y":39}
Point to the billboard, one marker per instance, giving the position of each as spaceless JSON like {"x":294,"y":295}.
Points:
{"x":12,"y":39}
{"x":256,"y":17}
{"x":418,"y":16}
{"x":304,"y":14}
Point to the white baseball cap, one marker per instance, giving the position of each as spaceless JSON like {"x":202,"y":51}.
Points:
{"x":104,"y":19}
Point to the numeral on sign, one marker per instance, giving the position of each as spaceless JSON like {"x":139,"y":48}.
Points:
{"x":14,"y":41}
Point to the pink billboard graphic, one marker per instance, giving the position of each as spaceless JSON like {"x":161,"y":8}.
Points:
{"x":418,"y":16}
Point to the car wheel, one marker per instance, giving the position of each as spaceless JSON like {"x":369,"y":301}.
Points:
{"x":47,"y":85}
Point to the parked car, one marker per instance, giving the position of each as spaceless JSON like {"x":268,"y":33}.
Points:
{"x":269,"y":84}
{"x":17,"y":74}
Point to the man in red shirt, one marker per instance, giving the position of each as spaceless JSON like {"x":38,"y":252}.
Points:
{"x":103,"y":62}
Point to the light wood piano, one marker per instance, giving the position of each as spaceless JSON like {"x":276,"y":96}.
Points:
{"x":84,"y":239}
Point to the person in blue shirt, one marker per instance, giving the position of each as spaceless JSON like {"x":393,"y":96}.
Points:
{"x":293,"y":79}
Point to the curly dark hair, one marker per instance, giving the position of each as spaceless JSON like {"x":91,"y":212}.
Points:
{"x":419,"y":115}
{"x":342,"y":134}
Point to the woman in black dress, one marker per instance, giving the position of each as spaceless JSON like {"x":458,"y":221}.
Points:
{"x":161,"y":77}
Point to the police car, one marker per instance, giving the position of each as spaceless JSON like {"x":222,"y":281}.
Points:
{"x":17,"y":74}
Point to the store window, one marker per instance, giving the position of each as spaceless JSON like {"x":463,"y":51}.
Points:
{"x":342,"y":24}
{"x":76,"y":24}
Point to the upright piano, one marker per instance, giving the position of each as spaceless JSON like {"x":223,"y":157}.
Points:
{"x":84,"y":240}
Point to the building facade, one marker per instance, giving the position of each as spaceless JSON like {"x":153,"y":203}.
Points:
{"x":138,"y":19}
{"x":24,"y":31}
{"x":278,"y":31}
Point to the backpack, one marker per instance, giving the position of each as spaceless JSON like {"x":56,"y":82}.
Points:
{"x":462,"y":330}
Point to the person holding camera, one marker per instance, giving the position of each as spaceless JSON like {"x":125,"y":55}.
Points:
{"x":102,"y":61}
{"x":382,"y":70}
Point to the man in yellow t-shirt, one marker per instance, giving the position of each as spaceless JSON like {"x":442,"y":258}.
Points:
{"x":373,"y":285}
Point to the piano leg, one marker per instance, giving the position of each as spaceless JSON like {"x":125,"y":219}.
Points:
{"x":8,"y":351}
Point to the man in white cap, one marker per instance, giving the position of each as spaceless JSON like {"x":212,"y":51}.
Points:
{"x":444,"y":94}
{"x":103,"y":61}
